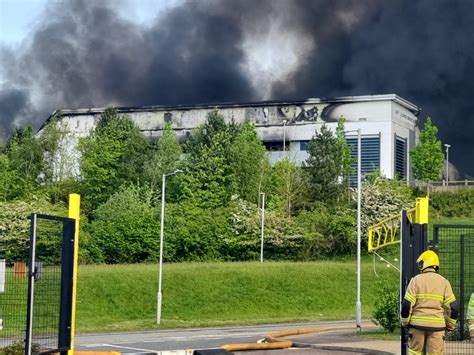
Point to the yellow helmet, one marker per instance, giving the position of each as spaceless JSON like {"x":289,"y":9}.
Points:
{"x":428,"y":259}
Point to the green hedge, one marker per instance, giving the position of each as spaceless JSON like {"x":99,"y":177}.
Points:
{"x":458,"y":203}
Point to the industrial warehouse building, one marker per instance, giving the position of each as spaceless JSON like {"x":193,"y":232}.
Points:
{"x":388,"y":125}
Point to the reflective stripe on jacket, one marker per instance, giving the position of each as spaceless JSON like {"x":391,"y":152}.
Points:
{"x":470,"y":314}
{"x":430,"y":294}
{"x":470,"y":308}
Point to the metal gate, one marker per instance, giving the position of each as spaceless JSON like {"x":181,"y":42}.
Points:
{"x":455,"y":246}
{"x":414,"y":240}
{"x":36,"y":288}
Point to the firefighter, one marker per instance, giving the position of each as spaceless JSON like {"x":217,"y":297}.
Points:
{"x":470,"y":316}
{"x":429,"y":308}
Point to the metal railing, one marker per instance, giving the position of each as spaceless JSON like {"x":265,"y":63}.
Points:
{"x":387,"y":231}
{"x":444,"y":185}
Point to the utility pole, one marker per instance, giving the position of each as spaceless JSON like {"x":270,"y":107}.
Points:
{"x":262,"y":226}
{"x":359,"y":197}
{"x":447,"y":162}
{"x":358,"y":312}
{"x":160,"y":272}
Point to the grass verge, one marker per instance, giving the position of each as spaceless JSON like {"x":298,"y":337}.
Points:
{"x":379,"y":334}
{"x":123,"y":297}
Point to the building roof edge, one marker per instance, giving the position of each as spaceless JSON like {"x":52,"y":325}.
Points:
{"x":361,"y":98}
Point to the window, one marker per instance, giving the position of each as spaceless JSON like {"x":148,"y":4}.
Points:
{"x":273,"y":146}
{"x":304,"y":145}
{"x":370,"y":155}
{"x":400,"y":157}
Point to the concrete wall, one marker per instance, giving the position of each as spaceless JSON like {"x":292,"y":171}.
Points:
{"x":384,"y":116}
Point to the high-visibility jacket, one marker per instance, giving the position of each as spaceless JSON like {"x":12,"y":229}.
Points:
{"x":429,"y":302}
{"x":470,"y":314}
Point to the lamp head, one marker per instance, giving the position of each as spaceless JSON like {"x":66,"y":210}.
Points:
{"x":177,"y":171}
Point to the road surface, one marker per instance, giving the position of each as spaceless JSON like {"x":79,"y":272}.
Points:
{"x":202,"y":338}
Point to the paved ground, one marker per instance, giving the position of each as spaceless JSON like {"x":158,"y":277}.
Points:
{"x":199,"y":338}
{"x":333,"y":342}
{"x":346,"y":342}
{"x":340,"y":342}
{"x":344,"y":339}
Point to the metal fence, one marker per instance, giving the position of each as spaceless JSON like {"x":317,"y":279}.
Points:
{"x":36,"y":302}
{"x":455,"y":245}
{"x":13,"y":301}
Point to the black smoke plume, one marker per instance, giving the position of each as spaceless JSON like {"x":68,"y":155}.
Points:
{"x":86,"y":55}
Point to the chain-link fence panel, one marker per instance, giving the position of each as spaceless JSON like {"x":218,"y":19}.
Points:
{"x":455,"y":245}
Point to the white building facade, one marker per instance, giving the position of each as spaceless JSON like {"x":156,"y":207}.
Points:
{"x":388,"y":125}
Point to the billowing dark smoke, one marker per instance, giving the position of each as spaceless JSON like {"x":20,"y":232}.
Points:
{"x":86,"y":55}
{"x":421,"y":50}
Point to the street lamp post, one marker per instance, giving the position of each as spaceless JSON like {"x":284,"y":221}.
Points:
{"x":160,"y":273}
{"x":284,"y":136}
{"x":447,"y":162}
{"x":263,"y":221}
{"x":359,"y":198}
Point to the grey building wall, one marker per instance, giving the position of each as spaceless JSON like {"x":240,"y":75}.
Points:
{"x":384,"y":116}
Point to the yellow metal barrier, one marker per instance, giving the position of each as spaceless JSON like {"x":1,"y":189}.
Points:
{"x":387,"y":231}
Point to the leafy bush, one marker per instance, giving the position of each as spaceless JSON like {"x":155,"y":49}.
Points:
{"x":125,"y":230}
{"x":329,"y":231}
{"x":15,"y":229}
{"x":386,"y":312}
{"x":382,"y":198}
{"x":283,"y":238}
{"x":18,"y":348}
{"x":193,"y":233}
{"x":458,"y":203}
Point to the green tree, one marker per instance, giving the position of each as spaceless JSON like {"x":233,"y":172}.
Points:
{"x":112,"y":155}
{"x":291,"y":188}
{"x":10,"y":182}
{"x":58,"y":176}
{"x":206,"y":133}
{"x":56,"y":155}
{"x":324,"y":165}
{"x":165,"y":157}
{"x":208,"y":179}
{"x":427,"y":157}
{"x":249,"y":164}
{"x":21,"y":164}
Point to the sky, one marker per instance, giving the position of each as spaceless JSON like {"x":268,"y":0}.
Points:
{"x":19,"y":18}
{"x":94,"y":53}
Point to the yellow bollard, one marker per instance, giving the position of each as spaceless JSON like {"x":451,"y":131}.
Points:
{"x":422,"y":210}
{"x":74,"y":212}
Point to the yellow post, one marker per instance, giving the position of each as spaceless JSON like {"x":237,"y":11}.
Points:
{"x":371,"y":235}
{"x":422,"y":210}
{"x":74,"y":212}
